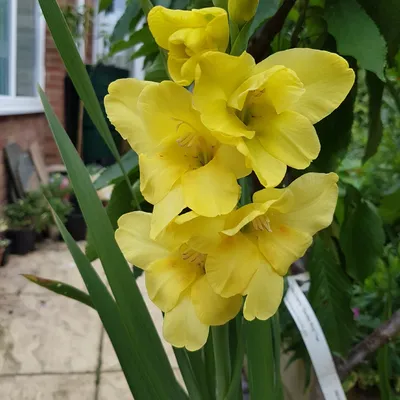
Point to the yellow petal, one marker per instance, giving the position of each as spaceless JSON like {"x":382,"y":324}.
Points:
{"x":211,"y":190}
{"x":218,"y":28}
{"x":182,"y":71}
{"x":211,"y":308}
{"x":232,"y":265}
{"x":315,"y":202}
{"x":283,"y":246}
{"x":277,"y":86}
{"x":200,"y":233}
{"x":269,"y":170}
{"x":158,"y":173}
{"x":264,"y":294}
{"x":164,"y":22}
{"x":289,"y":137}
{"x":163,"y":118}
{"x":133,"y":238}
{"x":182,"y":327}
{"x":166,"y":210}
{"x":242,"y":11}
{"x":167,"y":279}
{"x":221,"y":74}
{"x":237,"y":219}
{"x":326,"y":77}
{"x":230,"y":157}
{"x":121,"y":108}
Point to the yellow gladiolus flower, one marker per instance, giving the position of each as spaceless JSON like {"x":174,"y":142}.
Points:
{"x":187,"y":35}
{"x":241,"y":11}
{"x":181,"y":163}
{"x":268,"y":110}
{"x":175,"y":281}
{"x":259,"y":242}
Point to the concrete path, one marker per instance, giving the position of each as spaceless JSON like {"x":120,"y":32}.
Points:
{"x":53,"y":348}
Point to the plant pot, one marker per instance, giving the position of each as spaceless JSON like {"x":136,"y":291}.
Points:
{"x":4,"y":254}
{"x":76,"y":226}
{"x":22,"y":240}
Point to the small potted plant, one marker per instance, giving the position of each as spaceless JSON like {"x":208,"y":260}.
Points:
{"x":25,"y":218}
{"x":4,"y":251}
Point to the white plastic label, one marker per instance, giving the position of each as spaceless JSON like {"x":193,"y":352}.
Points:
{"x":314,"y":338}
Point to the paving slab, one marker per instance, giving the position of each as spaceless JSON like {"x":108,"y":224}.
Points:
{"x":113,"y":385}
{"x":49,"y":387}
{"x":41,"y":334}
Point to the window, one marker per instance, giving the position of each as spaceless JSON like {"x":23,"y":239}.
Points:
{"x":21,"y":56}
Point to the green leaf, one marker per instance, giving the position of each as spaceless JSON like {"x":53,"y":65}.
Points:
{"x":152,"y":358}
{"x":127,"y":350}
{"x":330,"y":295}
{"x":265,"y":10}
{"x":123,"y":25}
{"x":356,"y":34}
{"x":76,"y":69}
{"x":386,"y":15}
{"x":220,"y":337}
{"x":260,"y":358}
{"x":145,"y":50}
{"x":143,"y":35}
{"x":104,"y":5}
{"x":188,"y":374}
{"x":361,"y":236}
{"x":113,"y":174}
{"x":334,"y":134}
{"x":375,"y":128}
{"x":120,"y":203}
{"x":156,"y":72}
{"x":389,"y":209}
{"x":61,"y":288}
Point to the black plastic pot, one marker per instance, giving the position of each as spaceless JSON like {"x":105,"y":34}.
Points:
{"x":22,"y":240}
{"x":76,"y":226}
{"x":4,"y":256}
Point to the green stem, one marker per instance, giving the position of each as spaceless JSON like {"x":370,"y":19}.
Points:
{"x":234,"y":391}
{"x":276,"y":337}
{"x":246,"y":185}
{"x":209,"y":361}
{"x":130,"y":186}
{"x":220,"y":336}
{"x":199,"y":370}
{"x":260,"y":358}
{"x":188,"y":375}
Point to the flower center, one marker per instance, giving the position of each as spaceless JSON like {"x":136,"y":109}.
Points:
{"x":195,"y":144}
{"x":262,"y":223}
{"x":192,"y":256}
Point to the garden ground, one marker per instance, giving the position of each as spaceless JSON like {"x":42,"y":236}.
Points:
{"x":53,"y":348}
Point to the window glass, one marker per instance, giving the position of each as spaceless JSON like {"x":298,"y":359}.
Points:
{"x":4,"y":47}
{"x":27,"y":51}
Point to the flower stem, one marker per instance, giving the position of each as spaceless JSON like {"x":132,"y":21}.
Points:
{"x":235,"y":387}
{"x":220,"y":335}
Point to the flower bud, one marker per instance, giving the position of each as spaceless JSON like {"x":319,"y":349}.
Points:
{"x":242,"y":11}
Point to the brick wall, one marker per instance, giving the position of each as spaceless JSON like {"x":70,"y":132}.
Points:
{"x":25,"y":129}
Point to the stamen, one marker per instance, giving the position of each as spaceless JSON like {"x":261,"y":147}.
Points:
{"x":262,"y":223}
{"x":187,"y":140}
{"x":192,"y":256}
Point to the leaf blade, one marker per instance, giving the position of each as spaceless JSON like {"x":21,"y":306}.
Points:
{"x":61,"y":288}
{"x":356,"y":34}
{"x":122,"y":282}
{"x":329,"y":295}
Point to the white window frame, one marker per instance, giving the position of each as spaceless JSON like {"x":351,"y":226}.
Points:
{"x":12,"y":104}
